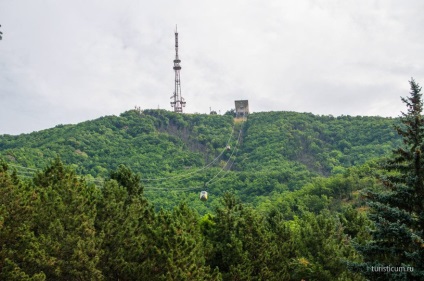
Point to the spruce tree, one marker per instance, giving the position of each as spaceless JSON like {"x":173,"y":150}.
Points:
{"x":396,"y":250}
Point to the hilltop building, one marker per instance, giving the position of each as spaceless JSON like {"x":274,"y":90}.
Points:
{"x":242,"y":108}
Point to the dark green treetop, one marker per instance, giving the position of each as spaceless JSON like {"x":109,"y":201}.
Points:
{"x":396,"y":250}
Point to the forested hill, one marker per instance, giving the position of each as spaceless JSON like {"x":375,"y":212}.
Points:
{"x":324,"y":144}
{"x":284,"y":197}
{"x":151,"y":142}
{"x":270,"y":152}
{"x":157,"y":142}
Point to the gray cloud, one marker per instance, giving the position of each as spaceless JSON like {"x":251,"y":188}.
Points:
{"x":69,"y":61}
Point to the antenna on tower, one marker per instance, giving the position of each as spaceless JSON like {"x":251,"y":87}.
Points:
{"x":178,"y":101}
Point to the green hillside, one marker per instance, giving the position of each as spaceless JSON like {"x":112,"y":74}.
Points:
{"x":118,"y":197}
{"x":324,"y":144}
{"x":153,"y":143}
{"x":292,"y":196}
{"x":177,"y":155}
{"x":158,"y":143}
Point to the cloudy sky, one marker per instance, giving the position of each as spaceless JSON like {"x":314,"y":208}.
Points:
{"x":69,"y":61}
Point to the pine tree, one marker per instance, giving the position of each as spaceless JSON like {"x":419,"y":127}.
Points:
{"x":240,"y":242}
{"x":177,"y":251}
{"x":124,"y":220}
{"x":396,"y":250}
{"x":321,"y":248}
{"x":126,"y":178}
{"x":283,"y":246}
{"x":64,"y":242}
{"x":16,"y":218}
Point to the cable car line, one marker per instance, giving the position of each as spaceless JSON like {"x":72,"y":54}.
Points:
{"x":234,"y":150}
{"x":211,"y":181}
{"x":29,"y":172}
{"x":26,"y":168}
{"x":198,"y":170}
{"x":148,"y":188}
{"x":188,"y":188}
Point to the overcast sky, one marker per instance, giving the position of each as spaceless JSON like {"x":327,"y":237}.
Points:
{"x":69,"y":61}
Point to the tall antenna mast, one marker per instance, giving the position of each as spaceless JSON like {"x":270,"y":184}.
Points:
{"x":178,"y":101}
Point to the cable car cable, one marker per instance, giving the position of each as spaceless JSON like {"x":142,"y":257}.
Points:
{"x":207,"y":183}
{"x":33,"y":170}
{"x":199,"y":170}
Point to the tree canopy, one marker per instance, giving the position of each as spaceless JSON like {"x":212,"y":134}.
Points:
{"x":396,"y":248}
{"x":292,"y":196}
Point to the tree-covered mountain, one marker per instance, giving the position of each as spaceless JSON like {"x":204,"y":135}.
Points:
{"x":117,"y":197}
{"x":157,"y":142}
{"x":151,"y":142}
{"x":178,"y":155}
{"x":323,"y":144}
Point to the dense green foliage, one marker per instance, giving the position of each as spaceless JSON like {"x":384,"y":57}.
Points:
{"x":271,"y":153}
{"x":396,"y":250}
{"x":324,"y":144}
{"x":152,"y":142}
{"x":57,"y":227}
{"x":285,"y":197}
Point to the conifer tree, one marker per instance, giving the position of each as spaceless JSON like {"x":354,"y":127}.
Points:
{"x":321,"y":248}
{"x":282,"y":248}
{"x":126,"y":178}
{"x":240,"y":242}
{"x":65,"y":245}
{"x":177,"y":251}
{"x":16,"y":218}
{"x":396,"y":250}
{"x":124,"y":220}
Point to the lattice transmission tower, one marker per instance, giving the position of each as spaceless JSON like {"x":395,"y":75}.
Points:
{"x":178,"y":101}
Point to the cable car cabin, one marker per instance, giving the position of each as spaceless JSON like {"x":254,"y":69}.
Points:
{"x":203,"y":196}
{"x":228,"y":147}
